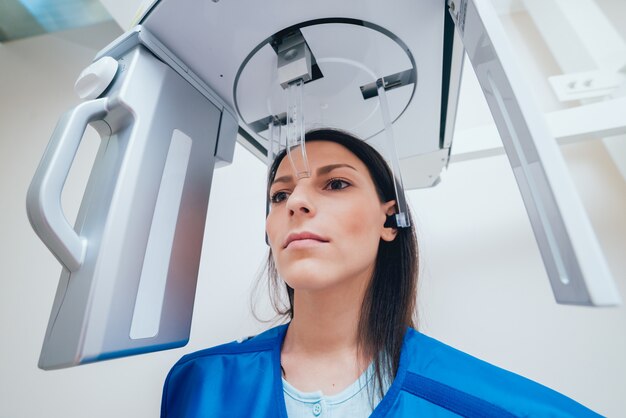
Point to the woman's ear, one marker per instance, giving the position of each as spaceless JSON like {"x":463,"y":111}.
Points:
{"x":388,"y":233}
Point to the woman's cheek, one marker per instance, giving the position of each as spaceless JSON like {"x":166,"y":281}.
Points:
{"x":359,"y":228}
{"x":271,"y":229}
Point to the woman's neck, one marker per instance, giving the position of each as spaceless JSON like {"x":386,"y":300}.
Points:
{"x":323,"y":323}
{"x":320,"y":350}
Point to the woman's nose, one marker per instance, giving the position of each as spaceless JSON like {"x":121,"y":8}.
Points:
{"x":300,"y":201}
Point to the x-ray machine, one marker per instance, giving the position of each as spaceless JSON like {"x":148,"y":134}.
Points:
{"x":169,"y":97}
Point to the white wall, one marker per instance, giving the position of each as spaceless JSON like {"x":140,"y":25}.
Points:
{"x":483,"y":287}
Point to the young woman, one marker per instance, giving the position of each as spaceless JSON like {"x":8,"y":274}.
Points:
{"x":350,"y":348}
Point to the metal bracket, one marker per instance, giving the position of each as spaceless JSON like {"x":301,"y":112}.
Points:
{"x":295,"y":60}
{"x":391,"y":82}
{"x":586,"y":85}
{"x":457,"y":9}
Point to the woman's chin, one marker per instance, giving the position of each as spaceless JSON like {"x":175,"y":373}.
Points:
{"x":307,"y":276}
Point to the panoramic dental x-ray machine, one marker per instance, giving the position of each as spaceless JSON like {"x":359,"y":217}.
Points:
{"x":169,"y":97}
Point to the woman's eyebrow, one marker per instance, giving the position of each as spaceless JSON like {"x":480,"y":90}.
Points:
{"x":283,"y":179}
{"x":320,"y":171}
{"x":331,"y":167}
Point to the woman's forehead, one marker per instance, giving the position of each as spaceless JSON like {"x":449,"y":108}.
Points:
{"x":322,"y":153}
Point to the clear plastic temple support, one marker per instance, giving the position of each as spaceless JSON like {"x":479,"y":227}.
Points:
{"x":274,"y":141}
{"x":295,"y":130}
{"x":402,"y":218}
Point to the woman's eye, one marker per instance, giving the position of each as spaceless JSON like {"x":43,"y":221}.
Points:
{"x":337,"y":184}
{"x":278,"y":197}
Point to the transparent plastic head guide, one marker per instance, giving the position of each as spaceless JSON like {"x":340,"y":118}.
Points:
{"x":294,"y":132}
{"x":402,"y":217}
{"x":296,"y":146}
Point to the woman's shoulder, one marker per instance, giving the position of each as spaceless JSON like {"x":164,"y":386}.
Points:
{"x":431,"y":357}
{"x":266,"y":341}
{"x":223,"y":379}
{"x":431,"y":366}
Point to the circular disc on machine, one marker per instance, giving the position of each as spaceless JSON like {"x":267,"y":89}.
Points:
{"x":351,"y":54}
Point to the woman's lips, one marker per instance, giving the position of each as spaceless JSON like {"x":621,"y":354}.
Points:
{"x":303,"y":240}
{"x":304,"y":243}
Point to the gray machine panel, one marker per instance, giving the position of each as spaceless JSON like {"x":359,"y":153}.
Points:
{"x":142,"y":218}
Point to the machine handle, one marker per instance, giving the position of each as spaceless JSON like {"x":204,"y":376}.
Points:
{"x":43,"y":200}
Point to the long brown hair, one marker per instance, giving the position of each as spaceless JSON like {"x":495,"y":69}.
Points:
{"x":389,"y":302}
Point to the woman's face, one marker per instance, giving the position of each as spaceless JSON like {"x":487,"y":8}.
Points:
{"x":325,"y":230}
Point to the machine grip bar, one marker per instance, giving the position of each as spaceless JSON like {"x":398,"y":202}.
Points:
{"x":43,"y":200}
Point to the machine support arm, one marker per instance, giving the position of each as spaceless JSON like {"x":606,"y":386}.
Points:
{"x":570,"y":250}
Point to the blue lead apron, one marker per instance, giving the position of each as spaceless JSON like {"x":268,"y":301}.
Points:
{"x":433,"y":380}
